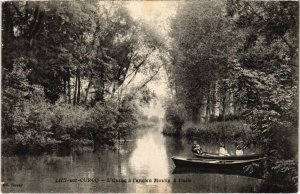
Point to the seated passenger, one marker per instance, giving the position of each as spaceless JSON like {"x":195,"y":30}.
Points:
{"x":239,"y":151}
{"x":196,"y":148}
{"x":223,"y":151}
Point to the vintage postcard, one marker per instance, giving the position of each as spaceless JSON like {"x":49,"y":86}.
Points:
{"x":149,"y":96}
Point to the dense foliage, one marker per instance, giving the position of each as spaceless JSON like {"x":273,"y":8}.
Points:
{"x":39,"y":125}
{"x":174,"y":118}
{"x":267,"y":75}
{"x":68,"y":69}
{"x":250,"y":49}
{"x":201,"y":45}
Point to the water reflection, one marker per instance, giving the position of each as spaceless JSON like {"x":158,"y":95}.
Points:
{"x":149,"y":160}
{"x":148,"y":156}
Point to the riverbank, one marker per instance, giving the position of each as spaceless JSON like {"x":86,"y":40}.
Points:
{"x":235,"y":131}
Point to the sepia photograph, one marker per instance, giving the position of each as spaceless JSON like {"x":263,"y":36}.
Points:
{"x":149,"y":96}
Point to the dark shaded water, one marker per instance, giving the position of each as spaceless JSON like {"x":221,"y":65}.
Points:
{"x":148,"y":156}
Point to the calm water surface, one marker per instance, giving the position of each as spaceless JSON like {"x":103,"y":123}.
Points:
{"x":147,"y":156}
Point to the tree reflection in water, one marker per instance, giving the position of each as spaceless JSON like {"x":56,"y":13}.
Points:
{"x":147,"y":155}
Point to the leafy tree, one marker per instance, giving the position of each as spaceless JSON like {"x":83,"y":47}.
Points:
{"x":202,"y":43}
{"x":266,"y":62}
{"x":85,"y":54}
{"x":266,"y":69}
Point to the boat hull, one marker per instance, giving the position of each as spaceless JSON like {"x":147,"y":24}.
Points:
{"x":218,"y":157}
{"x":211,"y":163}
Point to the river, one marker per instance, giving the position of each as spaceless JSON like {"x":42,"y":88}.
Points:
{"x":147,"y":157}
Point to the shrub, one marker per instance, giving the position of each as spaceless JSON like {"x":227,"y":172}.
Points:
{"x":127,"y":120}
{"x":287,"y":170}
{"x":154,"y":119}
{"x":38,"y":126}
{"x":282,"y":175}
{"x":174,"y":116}
{"x":142,"y":117}
{"x":108,"y":122}
{"x":41,"y":126}
{"x":102,"y":125}
{"x":227,"y":118}
{"x":71,"y":120}
{"x":170,"y":130}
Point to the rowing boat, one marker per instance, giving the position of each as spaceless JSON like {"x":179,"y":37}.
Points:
{"x":206,"y":155}
{"x":212,"y":163}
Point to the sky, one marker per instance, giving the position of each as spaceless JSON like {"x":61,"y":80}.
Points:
{"x":157,"y":14}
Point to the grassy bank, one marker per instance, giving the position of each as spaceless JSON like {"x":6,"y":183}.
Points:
{"x":230,"y":131}
{"x":235,"y":131}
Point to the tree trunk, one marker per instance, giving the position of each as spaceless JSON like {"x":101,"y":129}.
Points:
{"x":224,"y":107}
{"x":69,"y":90}
{"x":102,"y":91}
{"x":65,"y":89}
{"x":87,"y":91}
{"x":195,"y":115}
{"x":231,"y":103}
{"x":78,"y":84}
{"x":113,"y":89}
{"x":223,"y":114}
{"x":75,"y":91}
{"x":216,"y":105}
{"x":7,"y":34}
{"x":207,"y":107}
{"x":8,"y":31}
{"x":212,"y":100}
{"x":99,"y":92}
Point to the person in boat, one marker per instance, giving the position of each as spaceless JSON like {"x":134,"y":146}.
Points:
{"x":222,"y":150}
{"x":196,"y":148}
{"x":239,"y":151}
